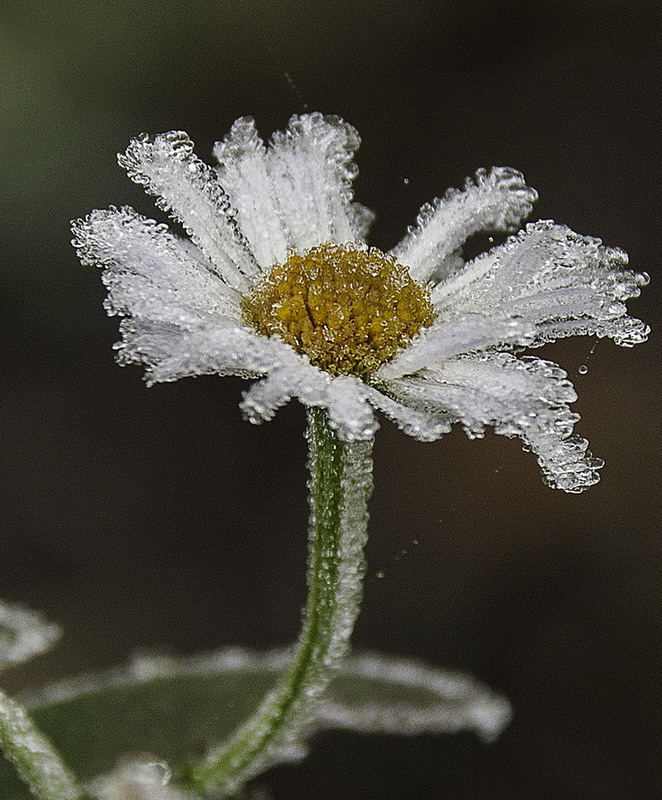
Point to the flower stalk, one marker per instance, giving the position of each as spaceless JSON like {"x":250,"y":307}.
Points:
{"x":340,"y":485}
{"x":33,"y":756}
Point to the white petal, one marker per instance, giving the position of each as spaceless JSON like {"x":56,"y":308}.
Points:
{"x":190,"y":191}
{"x":343,"y":397}
{"x":494,"y":200}
{"x":450,"y":337}
{"x":243,"y":174}
{"x":420,"y":424}
{"x":170,"y":352}
{"x":524,"y":397}
{"x":299,"y":379}
{"x":311,"y":167}
{"x":348,"y":408}
{"x":150,"y":273}
{"x":551,"y":276}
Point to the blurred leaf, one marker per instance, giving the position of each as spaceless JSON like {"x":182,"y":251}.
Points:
{"x":176,"y":708}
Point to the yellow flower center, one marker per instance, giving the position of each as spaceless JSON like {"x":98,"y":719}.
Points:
{"x":348,"y":308}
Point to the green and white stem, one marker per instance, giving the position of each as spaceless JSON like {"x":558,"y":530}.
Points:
{"x":340,"y":485}
{"x":33,"y":756}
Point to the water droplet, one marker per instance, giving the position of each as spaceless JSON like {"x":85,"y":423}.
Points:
{"x":405,"y":181}
{"x":582,"y":369}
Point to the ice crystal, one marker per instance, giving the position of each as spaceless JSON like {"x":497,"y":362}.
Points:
{"x":182,"y":299}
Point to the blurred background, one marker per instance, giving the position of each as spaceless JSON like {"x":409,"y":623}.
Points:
{"x":158,"y":518}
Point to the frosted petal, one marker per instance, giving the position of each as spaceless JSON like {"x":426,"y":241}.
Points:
{"x":494,"y":200}
{"x":170,"y":352}
{"x":312,"y":168}
{"x":450,"y":337}
{"x":348,"y":409}
{"x":189,"y":190}
{"x":550,"y":276}
{"x":524,"y":397}
{"x":343,"y":397}
{"x":300,"y":379}
{"x":243,"y":174}
{"x":24,"y":634}
{"x":152,"y":274}
{"x":419,"y":424}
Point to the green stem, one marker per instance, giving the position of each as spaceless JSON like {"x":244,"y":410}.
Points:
{"x":340,"y":486}
{"x":33,"y":756}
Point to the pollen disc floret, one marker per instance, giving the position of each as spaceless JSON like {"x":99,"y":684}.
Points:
{"x":348,"y":308}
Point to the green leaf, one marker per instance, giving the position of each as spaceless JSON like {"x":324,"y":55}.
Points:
{"x":175,"y":708}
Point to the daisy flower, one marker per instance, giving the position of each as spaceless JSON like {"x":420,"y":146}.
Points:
{"x":276,"y":282}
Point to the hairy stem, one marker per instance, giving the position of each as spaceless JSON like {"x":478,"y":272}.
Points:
{"x":33,"y":756}
{"x":340,"y":485}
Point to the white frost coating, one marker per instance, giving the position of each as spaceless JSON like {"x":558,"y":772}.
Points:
{"x":549,"y":275}
{"x":181,"y":300}
{"x":243,"y":173}
{"x":189,"y":189}
{"x":137,"y":779}
{"x":494,"y":200}
{"x":311,"y":166}
{"x":415,"y":422}
{"x":450,"y":337}
{"x":525,"y":397}
{"x":24,"y":634}
{"x":151,"y":274}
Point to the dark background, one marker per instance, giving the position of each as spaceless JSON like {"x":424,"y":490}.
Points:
{"x":158,"y":517}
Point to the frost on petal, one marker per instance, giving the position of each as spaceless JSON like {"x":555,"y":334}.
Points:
{"x":421,"y":425}
{"x":295,"y":379}
{"x":170,"y":352}
{"x":452,"y":336}
{"x":343,"y":397}
{"x":311,"y":167}
{"x":150,"y":274}
{"x":524,"y":397}
{"x":348,"y":409}
{"x":189,"y":189}
{"x":495,"y":200}
{"x":560,"y":281}
{"x":244,"y":175}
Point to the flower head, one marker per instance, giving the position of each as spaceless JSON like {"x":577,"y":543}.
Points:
{"x":276,"y":282}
